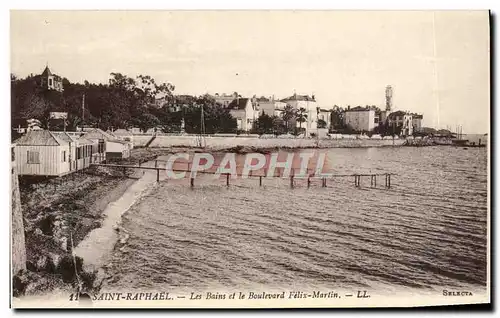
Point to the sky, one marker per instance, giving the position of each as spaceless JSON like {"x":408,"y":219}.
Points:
{"x":437,"y":62}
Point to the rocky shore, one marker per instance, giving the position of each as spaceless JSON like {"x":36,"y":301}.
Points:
{"x":58,"y":214}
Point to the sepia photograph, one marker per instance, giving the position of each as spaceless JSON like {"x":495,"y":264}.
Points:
{"x":249,"y":159}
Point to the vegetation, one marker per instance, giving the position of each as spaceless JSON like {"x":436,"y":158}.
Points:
{"x":122,"y":103}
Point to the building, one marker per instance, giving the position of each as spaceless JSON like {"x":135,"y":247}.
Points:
{"x":114,"y":147}
{"x":326,"y":116}
{"x":417,"y":122}
{"x":42,"y":153}
{"x":269,"y":106}
{"x":361,"y":118}
{"x":309,"y":104}
{"x":225,"y":99}
{"x":245,"y":113}
{"x":49,"y":80}
{"x":83,"y":152}
{"x":400,"y":122}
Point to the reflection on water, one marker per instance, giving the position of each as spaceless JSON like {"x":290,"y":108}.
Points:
{"x":428,"y":230}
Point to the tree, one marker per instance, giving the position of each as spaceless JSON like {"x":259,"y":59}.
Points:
{"x":321,"y":123}
{"x":301,"y":116}
{"x":337,"y":118}
{"x":279,"y":126}
{"x":216,"y":118}
{"x":289,"y":115}
{"x":146,"y":121}
{"x":264,"y":124}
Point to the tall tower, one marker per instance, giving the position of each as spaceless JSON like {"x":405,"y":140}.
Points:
{"x":388,"y":98}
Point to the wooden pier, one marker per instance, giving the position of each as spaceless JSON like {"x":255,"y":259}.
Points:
{"x":293,"y":176}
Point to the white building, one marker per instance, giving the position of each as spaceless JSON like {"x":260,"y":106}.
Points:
{"x":417,"y":122}
{"x":39,"y":152}
{"x":114,"y":147}
{"x":245,"y":113}
{"x":401,"y":120}
{"x":311,"y":110}
{"x":361,"y":118}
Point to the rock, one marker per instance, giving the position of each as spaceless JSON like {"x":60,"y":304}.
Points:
{"x":55,"y":259}
{"x":64,"y":243}
{"x":41,"y":262}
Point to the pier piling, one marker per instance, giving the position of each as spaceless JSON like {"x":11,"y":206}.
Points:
{"x":308,"y":182}
{"x":291,"y":181}
{"x":260,"y":181}
{"x":157,"y":175}
{"x":227,"y":179}
{"x":192,"y":182}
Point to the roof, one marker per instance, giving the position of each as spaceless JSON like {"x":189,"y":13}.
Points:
{"x":299,"y":97}
{"x":324,"y":110}
{"x":119,"y":141}
{"x":111,"y":133}
{"x":47,"y":72}
{"x":40,"y":138}
{"x":64,"y":136}
{"x":397,"y":113}
{"x":360,"y":109}
{"x":238,"y":103}
{"x":263,"y":99}
{"x":84,"y":141}
{"x":97,"y":133}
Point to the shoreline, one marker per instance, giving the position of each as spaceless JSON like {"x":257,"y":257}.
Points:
{"x":59,"y":213}
{"x":91,"y":202}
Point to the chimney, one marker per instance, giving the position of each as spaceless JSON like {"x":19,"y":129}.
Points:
{"x":348,"y":107}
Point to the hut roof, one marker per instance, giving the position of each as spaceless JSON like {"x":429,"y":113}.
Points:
{"x":40,"y":138}
{"x":64,"y":136}
{"x":84,"y":141}
{"x":97,"y":133}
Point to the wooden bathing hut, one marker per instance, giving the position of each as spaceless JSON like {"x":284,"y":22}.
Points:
{"x":42,"y":153}
{"x":114,"y":147}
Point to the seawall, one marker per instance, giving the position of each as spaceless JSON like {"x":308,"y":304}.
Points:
{"x":215,"y":142}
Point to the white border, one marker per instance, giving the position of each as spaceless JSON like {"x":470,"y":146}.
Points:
{"x":186,"y":5}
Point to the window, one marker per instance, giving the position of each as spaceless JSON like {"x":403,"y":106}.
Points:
{"x":79,"y":153}
{"x":13,"y":154}
{"x":50,"y":82}
{"x":376,"y":120}
{"x":33,"y":157}
{"x":63,"y":156}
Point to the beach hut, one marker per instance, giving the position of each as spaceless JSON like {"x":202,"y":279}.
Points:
{"x":114,"y":147}
{"x":85,"y":152}
{"x":72,"y":147}
{"x":41,"y":153}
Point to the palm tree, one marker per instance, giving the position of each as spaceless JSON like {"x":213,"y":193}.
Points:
{"x":288,"y":114}
{"x":301,"y":116}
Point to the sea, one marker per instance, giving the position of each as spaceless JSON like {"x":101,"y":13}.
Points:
{"x":427,"y":232}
